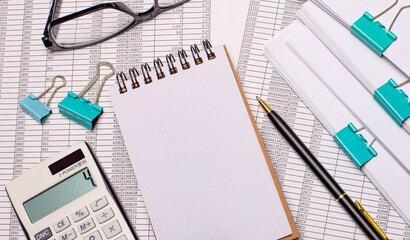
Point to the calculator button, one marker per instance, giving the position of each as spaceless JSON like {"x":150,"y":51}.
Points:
{"x":80,"y":214}
{"x":98,"y":204}
{"x":68,"y":235}
{"x":62,"y":224}
{"x":86,"y":226}
{"x":93,"y":236}
{"x":112,"y":229}
{"x":43,"y":234}
{"x":123,"y":237}
{"x":105,"y":215}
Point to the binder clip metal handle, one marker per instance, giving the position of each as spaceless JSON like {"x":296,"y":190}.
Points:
{"x":82,"y":110}
{"x":95,"y":79}
{"x":394,"y":101}
{"x":397,"y":15}
{"x":35,"y":108}
{"x":355,"y":145}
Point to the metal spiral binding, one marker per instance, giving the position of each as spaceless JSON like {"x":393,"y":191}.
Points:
{"x":182,"y":56}
{"x":133,"y":76}
{"x":208,"y":49}
{"x":122,"y":78}
{"x":195,"y":54}
{"x":158,"y":65}
{"x":147,"y":77}
{"x":170,"y":61}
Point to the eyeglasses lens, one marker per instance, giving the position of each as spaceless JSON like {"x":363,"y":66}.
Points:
{"x":166,"y":3}
{"x":91,"y":27}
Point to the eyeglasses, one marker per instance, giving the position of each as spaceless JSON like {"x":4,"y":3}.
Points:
{"x":96,"y":24}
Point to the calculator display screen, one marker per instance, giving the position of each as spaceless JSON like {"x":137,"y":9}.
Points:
{"x":59,"y":195}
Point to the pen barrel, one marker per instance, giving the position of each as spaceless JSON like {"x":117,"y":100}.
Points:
{"x":306,"y":154}
{"x":323,"y":175}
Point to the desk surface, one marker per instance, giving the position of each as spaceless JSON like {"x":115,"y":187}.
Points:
{"x":26,"y":66}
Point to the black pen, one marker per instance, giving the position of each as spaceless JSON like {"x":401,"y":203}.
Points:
{"x":355,"y":210}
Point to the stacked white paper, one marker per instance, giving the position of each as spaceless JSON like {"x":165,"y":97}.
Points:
{"x":351,"y":10}
{"x":371,"y":70}
{"x":315,"y":73}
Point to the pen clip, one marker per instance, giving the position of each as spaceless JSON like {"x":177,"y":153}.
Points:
{"x":370,"y":219}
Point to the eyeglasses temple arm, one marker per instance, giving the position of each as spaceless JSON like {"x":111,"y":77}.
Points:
{"x":51,"y":15}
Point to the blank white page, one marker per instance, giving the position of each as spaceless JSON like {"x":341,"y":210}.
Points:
{"x":197,"y":158}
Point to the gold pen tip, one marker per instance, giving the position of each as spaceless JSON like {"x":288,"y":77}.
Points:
{"x":265,"y":106}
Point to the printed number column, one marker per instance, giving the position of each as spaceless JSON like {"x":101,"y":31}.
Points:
{"x":168,"y":34}
{"x":10,"y":52}
{"x":259,"y":78}
{"x":84,"y":68}
{"x":56,"y":130}
{"x":314,"y":194}
{"x":23,"y":152}
{"x":196,"y":23}
{"x":124,"y":51}
{"x":351,"y":179}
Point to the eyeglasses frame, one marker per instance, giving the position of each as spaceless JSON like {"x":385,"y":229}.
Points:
{"x":50,"y":43}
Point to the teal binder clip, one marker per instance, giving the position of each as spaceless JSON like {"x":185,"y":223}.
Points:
{"x":82,"y":110}
{"x":37,"y":109}
{"x":394,"y":101}
{"x":372,"y":34}
{"x":355,"y":145}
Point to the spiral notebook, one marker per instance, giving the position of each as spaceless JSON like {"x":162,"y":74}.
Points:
{"x":200,"y":162}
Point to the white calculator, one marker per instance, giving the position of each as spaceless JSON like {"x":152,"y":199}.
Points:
{"x":69,"y":197}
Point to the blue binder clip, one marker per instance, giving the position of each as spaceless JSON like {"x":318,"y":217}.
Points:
{"x":82,"y":110}
{"x":37,"y":109}
{"x":372,"y":34}
{"x":355,"y":145}
{"x":394,"y":101}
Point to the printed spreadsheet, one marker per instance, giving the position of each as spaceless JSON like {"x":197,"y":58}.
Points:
{"x":26,"y":66}
{"x":316,"y":213}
